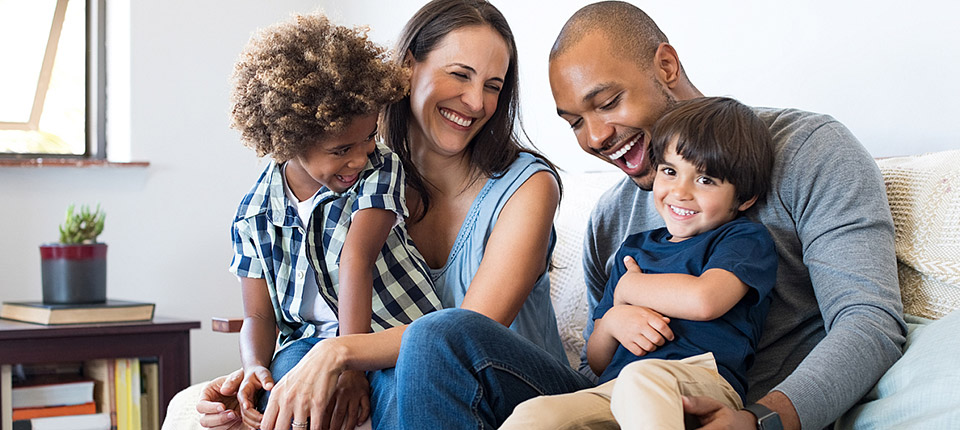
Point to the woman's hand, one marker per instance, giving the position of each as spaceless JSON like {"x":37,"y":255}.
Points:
{"x":305,"y":391}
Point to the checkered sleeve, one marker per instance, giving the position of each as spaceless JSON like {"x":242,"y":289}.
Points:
{"x":383,"y":186}
{"x":246,"y":262}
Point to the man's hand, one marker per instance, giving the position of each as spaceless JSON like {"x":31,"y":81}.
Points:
{"x":714,"y":415}
{"x":639,"y":329}
{"x":218,"y":406}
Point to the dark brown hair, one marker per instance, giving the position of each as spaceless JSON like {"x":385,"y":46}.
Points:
{"x":306,"y":79}
{"x":723,"y":138}
{"x":497,"y":144}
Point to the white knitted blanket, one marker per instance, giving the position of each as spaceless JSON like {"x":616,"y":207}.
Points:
{"x":924,"y":196}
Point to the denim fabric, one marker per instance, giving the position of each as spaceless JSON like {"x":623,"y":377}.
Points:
{"x":383,"y":398}
{"x":459,"y":369}
{"x":284,"y":361}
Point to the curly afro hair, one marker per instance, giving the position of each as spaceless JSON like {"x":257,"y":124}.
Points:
{"x":307,"y":79}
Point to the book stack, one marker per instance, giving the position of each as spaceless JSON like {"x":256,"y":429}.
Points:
{"x":104,"y":394}
{"x":54,"y":397}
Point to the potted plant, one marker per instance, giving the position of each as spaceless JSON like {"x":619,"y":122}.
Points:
{"x":74,"y":271}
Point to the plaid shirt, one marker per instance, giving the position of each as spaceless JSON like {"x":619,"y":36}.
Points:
{"x":268,"y":240}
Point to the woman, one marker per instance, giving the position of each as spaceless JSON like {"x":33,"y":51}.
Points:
{"x":482,"y":209}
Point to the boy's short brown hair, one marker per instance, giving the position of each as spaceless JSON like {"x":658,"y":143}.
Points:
{"x":306,"y":79}
{"x":723,"y":138}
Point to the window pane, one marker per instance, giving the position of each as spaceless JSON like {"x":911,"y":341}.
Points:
{"x":57,"y":123}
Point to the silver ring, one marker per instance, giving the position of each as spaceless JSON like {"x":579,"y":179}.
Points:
{"x":299,"y":425}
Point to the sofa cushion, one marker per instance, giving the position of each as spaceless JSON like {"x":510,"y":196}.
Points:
{"x":924,"y":196}
{"x":922,"y":389}
{"x":568,"y":291}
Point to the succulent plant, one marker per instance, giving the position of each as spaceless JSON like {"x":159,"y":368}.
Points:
{"x":83,"y":226}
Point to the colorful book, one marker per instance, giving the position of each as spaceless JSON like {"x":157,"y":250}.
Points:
{"x":71,"y":422}
{"x":133,"y":375}
{"x":35,"y":394}
{"x":49,"y":314}
{"x":122,"y":392}
{"x":54,"y":411}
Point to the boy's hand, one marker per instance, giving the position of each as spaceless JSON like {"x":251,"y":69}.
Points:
{"x":632,"y":278}
{"x":639,"y":329}
{"x":218,"y":405}
{"x":350,"y":405}
{"x":255,"y":378}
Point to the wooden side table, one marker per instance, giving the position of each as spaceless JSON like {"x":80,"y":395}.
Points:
{"x":167,"y":339}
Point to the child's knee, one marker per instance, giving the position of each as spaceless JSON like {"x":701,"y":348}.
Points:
{"x":537,"y":413}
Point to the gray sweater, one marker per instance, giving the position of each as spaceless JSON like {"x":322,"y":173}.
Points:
{"x":836,"y":321}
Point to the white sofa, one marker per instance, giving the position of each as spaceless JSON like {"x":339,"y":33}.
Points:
{"x":924,"y":196}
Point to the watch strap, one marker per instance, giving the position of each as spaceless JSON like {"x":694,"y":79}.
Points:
{"x":766,"y":418}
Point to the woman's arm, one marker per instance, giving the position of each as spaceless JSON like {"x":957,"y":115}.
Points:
{"x":365,"y":238}
{"x":516,"y":252}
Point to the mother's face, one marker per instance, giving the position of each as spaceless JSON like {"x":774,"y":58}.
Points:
{"x":454,"y":90}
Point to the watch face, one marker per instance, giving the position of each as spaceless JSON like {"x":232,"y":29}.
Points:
{"x":766,"y":419}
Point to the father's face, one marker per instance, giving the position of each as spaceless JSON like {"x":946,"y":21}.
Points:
{"x":610,"y":103}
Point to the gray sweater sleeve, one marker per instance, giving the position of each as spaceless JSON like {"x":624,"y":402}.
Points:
{"x":837,"y":200}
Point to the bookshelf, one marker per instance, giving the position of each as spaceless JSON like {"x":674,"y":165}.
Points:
{"x":166,"y":339}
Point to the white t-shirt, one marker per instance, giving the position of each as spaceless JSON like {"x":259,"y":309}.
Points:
{"x":312,"y":307}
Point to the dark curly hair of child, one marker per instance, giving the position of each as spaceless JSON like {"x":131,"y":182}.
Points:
{"x":307,"y":79}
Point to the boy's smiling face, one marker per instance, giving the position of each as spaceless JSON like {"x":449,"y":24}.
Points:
{"x":335,"y":162}
{"x":689,"y":201}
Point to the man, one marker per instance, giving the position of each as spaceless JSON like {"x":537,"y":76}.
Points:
{"x":835,"y":324}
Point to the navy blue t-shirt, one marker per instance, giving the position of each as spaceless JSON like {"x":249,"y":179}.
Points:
{"x":741,"y":247}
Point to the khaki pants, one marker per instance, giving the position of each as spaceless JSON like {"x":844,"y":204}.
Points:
{"x":646,"y":395}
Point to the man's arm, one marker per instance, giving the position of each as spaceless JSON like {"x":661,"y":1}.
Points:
{"x":843,"y":222}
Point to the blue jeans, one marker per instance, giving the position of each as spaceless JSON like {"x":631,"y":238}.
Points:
{"x":459,"y":369}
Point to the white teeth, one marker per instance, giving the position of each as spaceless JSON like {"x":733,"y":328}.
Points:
{"x":630,"y":165}
{"x":681,"y":212}
{"x":456,"y":118}
{"x":624,"y":150}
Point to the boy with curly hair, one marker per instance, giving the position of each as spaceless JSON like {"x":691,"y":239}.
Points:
{"x":321,"y":246}
{"x":700,"y":285}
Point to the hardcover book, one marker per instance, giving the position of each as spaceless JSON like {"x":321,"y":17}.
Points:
{"x":38,"y":394}
{"x":53,"y":314}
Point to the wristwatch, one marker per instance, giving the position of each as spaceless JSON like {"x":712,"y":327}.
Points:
{"x":766,"y":419}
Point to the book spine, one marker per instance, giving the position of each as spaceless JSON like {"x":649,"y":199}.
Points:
{"x":135,"y":393}
{"x":122,"y":387}
{"x":6,"y":397}
{"x":151,"y":395}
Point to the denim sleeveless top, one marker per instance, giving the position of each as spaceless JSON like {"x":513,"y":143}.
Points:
{"x":536,"y":320}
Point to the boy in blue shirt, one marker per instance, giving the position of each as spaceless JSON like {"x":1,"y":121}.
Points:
{"x":321,"y":246}
{"x":683,"y":310}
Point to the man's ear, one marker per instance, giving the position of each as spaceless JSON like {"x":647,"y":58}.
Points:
{"x":746,"y":205}
{"x":667,"y":65}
